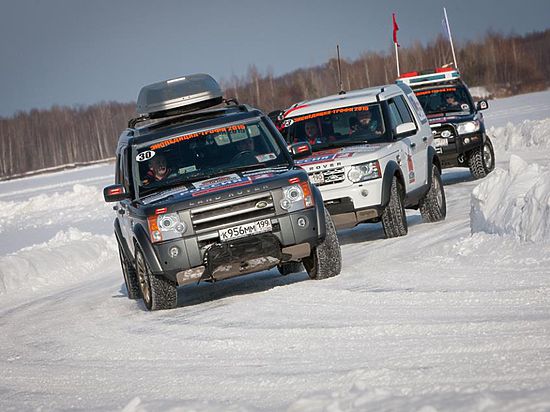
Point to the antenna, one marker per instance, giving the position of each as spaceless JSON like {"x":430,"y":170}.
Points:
{"x":340,"y":85}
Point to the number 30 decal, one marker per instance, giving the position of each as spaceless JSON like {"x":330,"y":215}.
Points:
{"x":143,"y":156}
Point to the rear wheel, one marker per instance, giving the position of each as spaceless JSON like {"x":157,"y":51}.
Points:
{"x":130,"y":276}
{"x":286,"y":268}
{"x":325,"y":260}
{"x":157,"y":292}
{"x":482,"y":160}
{"x":433,"y":206}
{"x":394,"y":220}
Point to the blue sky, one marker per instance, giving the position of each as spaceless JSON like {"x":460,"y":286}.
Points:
{"x":77,"y":52}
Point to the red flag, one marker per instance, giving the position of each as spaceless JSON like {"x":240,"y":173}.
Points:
{"x":395,"y":28}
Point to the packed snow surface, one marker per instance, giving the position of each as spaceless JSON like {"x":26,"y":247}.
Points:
{"x":455,"y":316}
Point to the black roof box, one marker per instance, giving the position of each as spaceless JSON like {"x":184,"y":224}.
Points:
{"x":179,"y":95}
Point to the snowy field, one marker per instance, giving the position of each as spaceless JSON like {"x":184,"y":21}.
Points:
{"x":455,"y":316}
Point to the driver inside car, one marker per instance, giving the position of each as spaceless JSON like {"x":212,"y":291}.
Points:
{"x":244,"y":151}
{"x":158,"y":170}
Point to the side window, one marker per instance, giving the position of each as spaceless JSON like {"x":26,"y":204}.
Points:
{"x":403,"y":110}
{"x":395,"y":117}
{"x":124,"y":172}
{"x":118,"y":171}
{"x":416,"y":104}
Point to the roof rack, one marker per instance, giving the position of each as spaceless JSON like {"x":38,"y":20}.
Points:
{"x":439,"y":74}
{"x":187,"y":115}
{"x":178,"y":96}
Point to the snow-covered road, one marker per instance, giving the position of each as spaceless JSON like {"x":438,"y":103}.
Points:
{"x":454,"y":316}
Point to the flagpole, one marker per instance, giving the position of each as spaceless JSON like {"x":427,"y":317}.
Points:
{"x":395,"y":43}
{"x":397,"y":59}
{"x":450,"y":36}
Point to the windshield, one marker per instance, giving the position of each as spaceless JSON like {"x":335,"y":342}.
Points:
{"x":337,"y":127}
{"x":199,"y":155}
{"x":444,"y":99}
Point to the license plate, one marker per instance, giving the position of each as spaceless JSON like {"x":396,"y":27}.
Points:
{"x":317,"y":178}
{"x":248,"y":229}
{"x":441,"y":142}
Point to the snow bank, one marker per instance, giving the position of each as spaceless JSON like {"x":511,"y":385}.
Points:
{"x":82,"y":202}
{"x":69,"y":256}
{"x":527,"y":134}
{"x":514,"y":202}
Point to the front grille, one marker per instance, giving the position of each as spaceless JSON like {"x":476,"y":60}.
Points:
{"x":438,"y":131}
{"x":327,"y":177}
{"x":232,"y":212}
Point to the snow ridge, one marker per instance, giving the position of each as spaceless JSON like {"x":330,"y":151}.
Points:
{"x":514,"y":202}
{"x":529,"y":133}
{"x":68,"y":257}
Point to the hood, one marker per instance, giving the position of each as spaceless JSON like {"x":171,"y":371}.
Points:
{"x":229,"y":185}
{"x":345,"y":156}
{"x":453,"y":117}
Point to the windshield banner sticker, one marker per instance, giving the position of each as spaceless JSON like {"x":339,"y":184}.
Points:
{"x":190,"y":136}
{"x":443,"y":90}
{"x":329,"y":112}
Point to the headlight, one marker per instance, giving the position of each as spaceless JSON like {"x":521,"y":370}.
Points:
{"x":296,"y":197}
{"x":468,"y":127}
{"x":165,"y":226}
{"x":364,"y":171}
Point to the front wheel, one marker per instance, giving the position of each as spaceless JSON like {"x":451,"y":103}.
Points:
{"x":130,"y":276}
{"x":157,"y":292}
{"x":482,"y":160}
{"x":433,"y":206}
{"x":325,"y":260}
{"x":394,"y":220}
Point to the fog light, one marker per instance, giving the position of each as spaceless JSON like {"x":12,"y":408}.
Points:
{"x":364,"y":192}
{"x":285,"y":204}
{"x":466,"y":140}
{"x":174,"y":251}
{"x":302,"y":222}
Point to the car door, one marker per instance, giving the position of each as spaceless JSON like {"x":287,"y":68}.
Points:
{"x":412,"y":146}
{"x":123,"y":206}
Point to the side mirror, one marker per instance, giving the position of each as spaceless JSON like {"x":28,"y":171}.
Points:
{"x":115,"y":193}
{"x":405,"y":128}
{"x":482,"y":105}
{"x":298,"y":150}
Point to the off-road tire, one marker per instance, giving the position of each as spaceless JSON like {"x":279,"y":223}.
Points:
{"x":286,"y":268}
{"x":130,"y":277}
{"x":433,"y":206}
{"x":158,"y":292}
{"x":394,"y":220}
{"x":325,"y":260}
{"x":482,"y":160}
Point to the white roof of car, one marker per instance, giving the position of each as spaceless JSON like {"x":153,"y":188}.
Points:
{"x":351,"y":98}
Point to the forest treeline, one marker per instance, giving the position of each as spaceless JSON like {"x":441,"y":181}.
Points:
{"x":504,"y":65}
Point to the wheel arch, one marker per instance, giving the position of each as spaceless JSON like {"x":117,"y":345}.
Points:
{"x":392,"y":169}
{"x":141,"y":241}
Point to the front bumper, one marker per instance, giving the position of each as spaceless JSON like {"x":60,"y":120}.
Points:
{"x":206,"y":257}
{"x":350,"y":205}
{"x":452,"y":149}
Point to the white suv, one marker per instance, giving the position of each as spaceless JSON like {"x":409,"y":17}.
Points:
{"x":370,"y":153}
